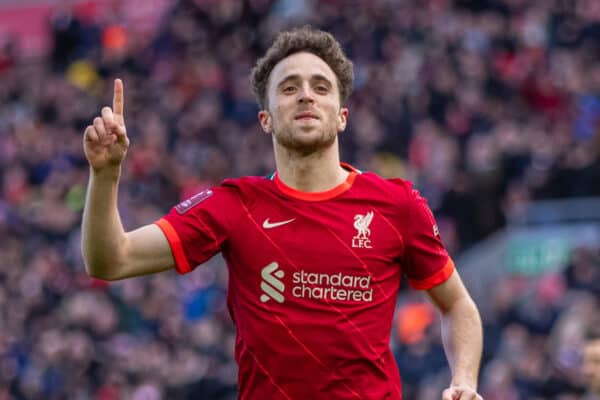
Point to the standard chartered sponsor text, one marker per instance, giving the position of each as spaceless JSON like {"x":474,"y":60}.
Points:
{"x":332,"y":286}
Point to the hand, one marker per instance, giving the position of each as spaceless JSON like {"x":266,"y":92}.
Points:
{"x":460,"y":392}
{"x":105,"y":142}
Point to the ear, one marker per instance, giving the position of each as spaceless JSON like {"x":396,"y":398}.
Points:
{"x":265,"y":121}
{"x":342,"y":119}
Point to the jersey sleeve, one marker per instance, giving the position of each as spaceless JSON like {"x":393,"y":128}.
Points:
{"x":426,"y":261}
{"x":198,"y":227}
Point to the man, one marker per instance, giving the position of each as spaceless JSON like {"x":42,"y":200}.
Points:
{"x":315,"y":252}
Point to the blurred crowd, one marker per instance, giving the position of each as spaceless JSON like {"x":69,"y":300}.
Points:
{"x":486,"y":105}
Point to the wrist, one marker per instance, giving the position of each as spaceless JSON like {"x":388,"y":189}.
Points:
{"x":463,"y":383}
{"x":106,"y":173}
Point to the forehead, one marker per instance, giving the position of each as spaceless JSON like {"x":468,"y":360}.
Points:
{"x":301,"y":64}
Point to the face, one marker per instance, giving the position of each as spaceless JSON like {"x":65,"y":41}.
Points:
{"x":591,"y":364}
{"x":303,"y":112}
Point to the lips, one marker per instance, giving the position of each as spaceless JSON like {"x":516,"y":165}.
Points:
{"x":306,"y":115}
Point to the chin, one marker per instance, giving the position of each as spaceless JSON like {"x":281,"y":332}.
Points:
{"x":307,"y":143}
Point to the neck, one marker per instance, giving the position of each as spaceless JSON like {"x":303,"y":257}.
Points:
{"x":315,"y":172}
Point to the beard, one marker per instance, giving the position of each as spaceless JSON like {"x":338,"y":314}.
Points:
{"x":297,"y":141}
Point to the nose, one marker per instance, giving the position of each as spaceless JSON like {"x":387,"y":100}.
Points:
{"x":305,"y":94}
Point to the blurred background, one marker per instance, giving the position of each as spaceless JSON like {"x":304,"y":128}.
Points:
{"x":492,"y":108}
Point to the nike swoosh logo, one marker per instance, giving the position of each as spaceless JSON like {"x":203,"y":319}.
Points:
{"x":269,"y":225}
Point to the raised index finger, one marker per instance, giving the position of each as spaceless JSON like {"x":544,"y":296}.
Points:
{"x":118,"y":98}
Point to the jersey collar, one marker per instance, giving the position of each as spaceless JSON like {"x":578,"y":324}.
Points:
{"x":319,"y":196}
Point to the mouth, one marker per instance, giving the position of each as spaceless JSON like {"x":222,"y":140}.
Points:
{"x":303,"y":116}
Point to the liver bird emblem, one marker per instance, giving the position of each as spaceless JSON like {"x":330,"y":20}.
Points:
{"x":361,"y":224}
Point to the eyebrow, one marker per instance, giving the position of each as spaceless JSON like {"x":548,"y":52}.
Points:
{"x":296,"y":77}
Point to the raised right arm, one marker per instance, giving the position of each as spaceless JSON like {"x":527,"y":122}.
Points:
{"x":109,"y":252}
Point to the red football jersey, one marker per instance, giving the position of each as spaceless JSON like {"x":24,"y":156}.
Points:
{"x":313,"y":278}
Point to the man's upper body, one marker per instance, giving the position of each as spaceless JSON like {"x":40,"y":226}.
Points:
{"x":315,"y":254}
{"x":313,"y":277}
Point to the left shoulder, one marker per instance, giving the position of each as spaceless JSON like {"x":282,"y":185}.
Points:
{"x":398,"y":188}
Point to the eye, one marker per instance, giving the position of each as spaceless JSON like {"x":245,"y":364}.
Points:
{"x":289,"y":89}
{"x":322,"y":89}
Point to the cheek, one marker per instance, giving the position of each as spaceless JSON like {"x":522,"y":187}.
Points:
{"x":277,"y":115}
{"x":591,"y":369}
{"x":280,"y":109}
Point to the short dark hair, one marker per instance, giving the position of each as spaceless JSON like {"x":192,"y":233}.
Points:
{"x":308,"y":39}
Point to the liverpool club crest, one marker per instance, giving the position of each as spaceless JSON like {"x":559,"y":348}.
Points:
{"x":361,"y":224}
